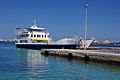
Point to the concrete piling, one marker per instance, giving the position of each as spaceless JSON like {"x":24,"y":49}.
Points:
{"x":87,"y":55}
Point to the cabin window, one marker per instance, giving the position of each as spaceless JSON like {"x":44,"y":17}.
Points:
{"x":31,"y":35}
{"x":38,"y":35}
{"x":23,"y":41}
{"x":22,"y":36}
{"x":34,"y":35}
{"x":42,"y":36}
{"x":45,"y":36}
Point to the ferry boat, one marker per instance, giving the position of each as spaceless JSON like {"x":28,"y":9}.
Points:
{"x":36,"y":38}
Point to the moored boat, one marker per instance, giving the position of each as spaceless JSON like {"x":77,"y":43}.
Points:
{"x":36,"y":38}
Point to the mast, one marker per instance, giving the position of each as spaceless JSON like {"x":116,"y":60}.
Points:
{"x":34,"y":24}
{"x":86,"y":22}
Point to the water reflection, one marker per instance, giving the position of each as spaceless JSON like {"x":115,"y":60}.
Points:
{"x":31,"y":60}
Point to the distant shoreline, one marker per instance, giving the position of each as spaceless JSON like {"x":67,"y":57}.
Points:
{"x":103,"y":42}
{"x":7,"y":40}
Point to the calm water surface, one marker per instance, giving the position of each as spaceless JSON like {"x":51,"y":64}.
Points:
{"x":26,"y":64}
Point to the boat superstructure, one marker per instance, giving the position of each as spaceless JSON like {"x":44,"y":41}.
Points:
{"x":31,"y":35}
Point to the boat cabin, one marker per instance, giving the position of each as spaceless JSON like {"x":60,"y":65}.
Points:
{"x":31,"y":35}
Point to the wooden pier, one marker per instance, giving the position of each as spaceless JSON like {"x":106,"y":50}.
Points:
{"x":87,"y":55}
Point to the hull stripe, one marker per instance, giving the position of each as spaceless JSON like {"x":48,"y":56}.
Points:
{"x":46,"y":46}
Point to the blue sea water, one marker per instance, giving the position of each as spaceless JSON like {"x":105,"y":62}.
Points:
{"x":26,"y":64}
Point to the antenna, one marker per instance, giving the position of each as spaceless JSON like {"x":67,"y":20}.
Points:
{"x":86,"y":11}
{"x":34,"y":23}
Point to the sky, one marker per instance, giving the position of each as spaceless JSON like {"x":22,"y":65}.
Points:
{"x":62,"y":18}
